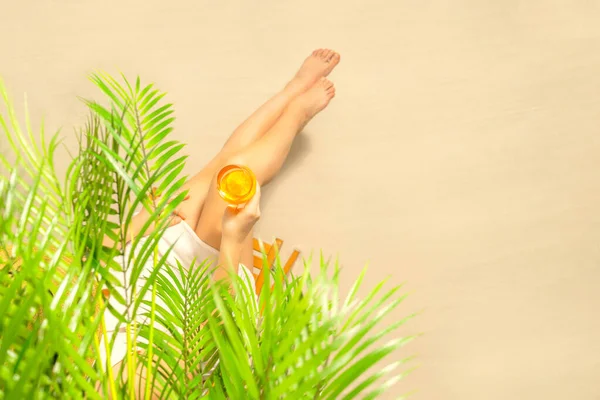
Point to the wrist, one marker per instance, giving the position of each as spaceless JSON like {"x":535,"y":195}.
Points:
{"x":229,"y":256}
{"x":232,"y":238}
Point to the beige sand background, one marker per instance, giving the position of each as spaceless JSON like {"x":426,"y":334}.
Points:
{"x":461,"y":155}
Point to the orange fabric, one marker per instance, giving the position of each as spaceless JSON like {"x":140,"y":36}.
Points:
{"x":271,"y":251}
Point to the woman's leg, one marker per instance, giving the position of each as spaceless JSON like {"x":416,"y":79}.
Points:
{"x":265,"y":156}
{"x":319,"y":64}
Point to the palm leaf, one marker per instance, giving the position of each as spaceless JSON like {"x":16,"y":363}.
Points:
{"x":309,"y":345}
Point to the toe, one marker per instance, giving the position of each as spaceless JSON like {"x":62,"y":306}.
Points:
{"x":314,"y":53}
{"x":319,"y":53}
{"x":335,"y":58}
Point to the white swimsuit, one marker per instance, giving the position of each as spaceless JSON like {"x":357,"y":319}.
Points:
{"x":187,"y":247}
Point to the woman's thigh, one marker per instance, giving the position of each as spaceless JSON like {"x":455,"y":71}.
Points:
{"x":198,"y":188}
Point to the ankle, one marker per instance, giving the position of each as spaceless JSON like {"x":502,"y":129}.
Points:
{"x":298,"y":111}
{"x":295,"y":87}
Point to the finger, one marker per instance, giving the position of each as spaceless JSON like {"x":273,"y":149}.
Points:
{"x":258,"y":191}
{"x":180,"y":191}
{"x":255,"y":200}
{"x":179,"y":214}
{"x":174,"y":221}
{"x":231,"y":211}
{"x":254,"y":203}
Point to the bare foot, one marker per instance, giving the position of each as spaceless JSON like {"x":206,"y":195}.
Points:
{"x":315,"y":99}
{"x":319,"y":64}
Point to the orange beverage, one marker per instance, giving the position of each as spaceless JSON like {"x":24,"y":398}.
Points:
{"x":236,"y":184}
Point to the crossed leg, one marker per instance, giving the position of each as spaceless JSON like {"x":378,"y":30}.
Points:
{"x":265,"y":157}
{"x":319,"y":64}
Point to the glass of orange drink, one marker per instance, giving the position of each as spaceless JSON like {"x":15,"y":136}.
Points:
{"x":236,"y":184}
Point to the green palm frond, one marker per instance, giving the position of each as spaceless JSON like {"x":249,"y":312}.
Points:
{"x":185,"y":354}
{"x":35,"y":162}
{"x":135,"y":148}
{"x":302,"y":343}
{"x":66,"y":263}
{"x":41,"y":347}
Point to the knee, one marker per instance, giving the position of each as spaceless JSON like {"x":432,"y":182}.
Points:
{"x":241,"y":159}
{"x":236,"y":159}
